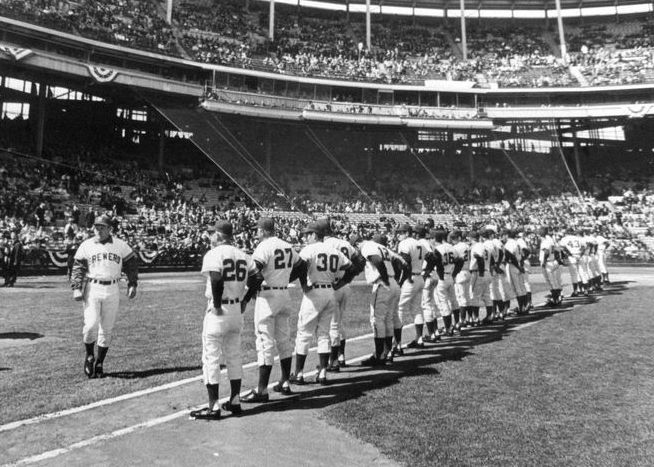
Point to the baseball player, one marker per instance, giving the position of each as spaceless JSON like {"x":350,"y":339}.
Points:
{"x":592,"y":247}
{"x":428,"y":299}
{"x":94,"y":280}
{"x":493,"y":274}
{"x":337,"y":329}
{"x":550,"y":266}
{"x":277,"y":264}
{"x":318,"y":303}
{"x":501,"y":291}
{"x":227,"y":269}
{"x":411,"y":286}
{"x":447,"y":267}
{"x":515,"y":269}
{"x":603,"y":244}
{"x":526,"y":253}
{"x":574,"y":247}
{"x":479,"y":276}
{"x":380,"y":272}
{"x":462,"y":279}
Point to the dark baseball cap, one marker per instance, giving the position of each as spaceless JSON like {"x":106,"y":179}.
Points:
{"x":420,"y":230}
{"x":315,"y":227}
{"x":381,"y":239}
{"x":404,"y":228}
{"x":267,"y":224}
{"x":224,"y":227}
{"x":103,"y":220}
{"x":354,"y":239}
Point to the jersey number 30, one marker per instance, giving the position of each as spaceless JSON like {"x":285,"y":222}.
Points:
{"x":323,"y":262}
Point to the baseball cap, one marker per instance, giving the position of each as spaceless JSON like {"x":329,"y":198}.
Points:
{"x":224,"y":227}
{"x":267,"y":224}
{"x":421,"y":230}
{"x":103,"y":220}
{"x":404,"y":228}
{"x":315,"y":227}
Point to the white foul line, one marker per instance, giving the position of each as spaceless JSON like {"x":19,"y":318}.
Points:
{"x":124,"y":397}
{"x":147,"y":424}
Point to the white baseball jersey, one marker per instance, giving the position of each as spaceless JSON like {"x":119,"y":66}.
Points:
{"x":370,"y":248}
{"x":591,"y":244}
{"x":477,"y":249}
{"x":410,"y":246}
{"x":499,"y":247}
{"x":449,"y":255}
{"x":276,"y":258}
{"x":234,"y":267}
{"x":493,"y":252}
{"x":523,"y":245}
{"x":602,"y":243}
{"x":546,"y":248}
{"x":343,"y":246}
{"x":105,"y":260}
{"x":462,"y":250}
{"x":324,"y":263}
{"x":574,"y":244}
{"x":512,"y":246}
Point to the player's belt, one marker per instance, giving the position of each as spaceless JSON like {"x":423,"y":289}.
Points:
{"x":322,"y":286}
{"x":265,"y":287}
{"x":226,"y":301}
{"x":98,"y":281}
{"x":416,"y":273}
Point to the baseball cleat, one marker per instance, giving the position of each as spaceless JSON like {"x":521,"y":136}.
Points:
{"x":373,"y":361}
{"x":99,"y":372}
{"x":342,"y":363}
{"x":397,"y":351}
{"x":333,"y":368}
{"x":321,"y":380}
{"x":284,"y":390}
{"x":254,"y":397}
{"x":88,"y":366}
{"x":205,"y":414}
{"x":415,"y":345}
{"x":296,"y":379}
{"x":235,"y":409}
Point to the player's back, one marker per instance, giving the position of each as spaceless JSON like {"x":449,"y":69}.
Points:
{"x":462,"y":250}
{"x":276,"y":259}
{"x":233,"y":265}
{"x":343,"y":246}
{"x":324,"y":263}
{"x":410,"y":246}
{"x":370,"y":248}
{"x":448,"y":255}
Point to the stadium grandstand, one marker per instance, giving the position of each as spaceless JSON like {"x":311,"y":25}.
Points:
{"x":173,"y":114}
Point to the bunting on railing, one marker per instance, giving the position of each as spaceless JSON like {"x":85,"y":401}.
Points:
{"x":16,"y":53}
{"x":101,"y":74}
{"x":58,"y":258}
{"x":148,"y":256}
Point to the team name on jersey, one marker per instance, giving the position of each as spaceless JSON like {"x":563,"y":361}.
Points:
{"x":100,"y":257}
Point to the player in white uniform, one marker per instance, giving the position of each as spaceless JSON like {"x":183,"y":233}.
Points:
{"x":501,"y":291}
{"x":479,"y":276}
{"x":493,"y":273}
{"x":227,"y":269}
{"x":411,"y":286}
{"x":462,"y":279}
{"x":447,"y":268}
{"x":574,"y":246}
{"x":526,"y":254}
{"x":428,"y":299}
{"x":380,"y":273}
{"x":96,"y":271}
{"x":337,"y":328}
{"x":318,"y":303}
{"x":276,"y":264}
{"x":603,"y":244}
{"x":549,"y":265}
{"x":593,"y":264}
{"x":515,"y":269}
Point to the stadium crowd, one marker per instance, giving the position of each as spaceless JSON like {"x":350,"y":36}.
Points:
{"x":311,"y":42}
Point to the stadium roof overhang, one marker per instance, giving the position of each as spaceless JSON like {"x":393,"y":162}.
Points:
{"x":488,"y":8}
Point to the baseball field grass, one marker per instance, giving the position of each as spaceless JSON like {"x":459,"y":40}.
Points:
{"x":563,"y":387}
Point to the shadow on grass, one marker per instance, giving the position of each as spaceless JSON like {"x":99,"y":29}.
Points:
{"x":21,"y":335}
{"x":354,"y":381}
{"x":148,"y":373}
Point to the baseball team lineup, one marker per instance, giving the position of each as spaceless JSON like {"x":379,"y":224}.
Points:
{"x":420,"y":275}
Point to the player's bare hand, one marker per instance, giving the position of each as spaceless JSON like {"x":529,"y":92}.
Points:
{"x":243,"y":307}
{"x":78,"y":296}
{"x":131,"y":292}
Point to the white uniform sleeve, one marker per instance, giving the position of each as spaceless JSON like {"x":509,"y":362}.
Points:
{"x":212,"y":262}
{"x":125,"y":251}
{"x":80,"y":254}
